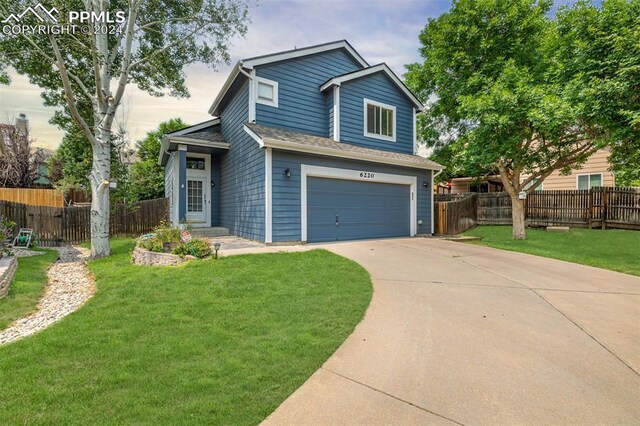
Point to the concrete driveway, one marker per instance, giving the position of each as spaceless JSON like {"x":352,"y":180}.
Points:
{"x":471,"y":335}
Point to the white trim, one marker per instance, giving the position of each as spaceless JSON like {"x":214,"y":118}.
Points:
{"x":590,"y":174}
{"x":199,"y":142}
{"x":254,"y":136}
{"x":415,"y":136}
{"x":268,"y":184}
{"x":194,"y":128}
{"x":274,"y":86}
{"x":332,"y":152}
{"x":252,"y":98}
{"x":182,"y":148}
{"x":433,"y":211}
{"x":336,"y":113}
{"x":304,"y":51}
{"x":206,"y":188}
{"x":372,"y":70}
{"x":349,"y":174}
{"x":366,"y":133}
{"x":176,"y":189}
{"x":225,"y":87}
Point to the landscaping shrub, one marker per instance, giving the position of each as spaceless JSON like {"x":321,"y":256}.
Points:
{"x":197,"y":247}
{"x":6,"y":234}
{"x":155,"y":241}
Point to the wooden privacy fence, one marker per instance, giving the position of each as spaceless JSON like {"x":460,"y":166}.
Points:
{"x":455,"y":216}
{"x":56,"y":225}
{"x":604,"y":207}
{"x":33,"y":197}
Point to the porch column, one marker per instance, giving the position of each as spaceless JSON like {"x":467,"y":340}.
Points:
{"x":182,"y":183}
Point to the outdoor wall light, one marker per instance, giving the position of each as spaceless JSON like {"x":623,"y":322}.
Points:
{"x":425,"y":184}
{"x":213,"y":184}
{"x":287,"y":173}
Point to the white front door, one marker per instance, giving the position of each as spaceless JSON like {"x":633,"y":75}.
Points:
{"x":196,"y":200}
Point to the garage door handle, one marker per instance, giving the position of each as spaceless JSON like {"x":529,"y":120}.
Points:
{"x":337,"y":220}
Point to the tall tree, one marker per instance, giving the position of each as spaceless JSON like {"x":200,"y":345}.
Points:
{"x":488,"y":72}
{"x":147,"y":177}
{"x":599,"y":53}
{"x":93,"y":66}
{"x":19,"y":162}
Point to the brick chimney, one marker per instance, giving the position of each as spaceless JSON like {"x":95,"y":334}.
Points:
{"x":22,"y":124}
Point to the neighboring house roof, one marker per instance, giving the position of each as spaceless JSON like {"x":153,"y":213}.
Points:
{"x":205,"y":136}
{"x":383,"y":68}
{"x":300,"y":142}
{"x":250,"y":63}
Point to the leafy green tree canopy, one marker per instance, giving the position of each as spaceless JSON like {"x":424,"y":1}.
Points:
{"x":499,"y":97}
{"x":147,"y":177}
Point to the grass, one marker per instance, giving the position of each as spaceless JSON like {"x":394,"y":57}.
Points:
{"x":612,"y":249}
{"x":210,"y":342}
{"x":26,"y":288}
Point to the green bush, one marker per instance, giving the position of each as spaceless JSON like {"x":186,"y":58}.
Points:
{"x":162,"y":234}
{"x":197,"y":247}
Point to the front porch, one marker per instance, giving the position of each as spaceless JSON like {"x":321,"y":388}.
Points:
{"x":191,"y":158}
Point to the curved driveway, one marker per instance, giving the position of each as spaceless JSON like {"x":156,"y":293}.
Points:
{"x":471,"y":335}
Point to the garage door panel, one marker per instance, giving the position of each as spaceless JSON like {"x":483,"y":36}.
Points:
{"x":364,"y":209}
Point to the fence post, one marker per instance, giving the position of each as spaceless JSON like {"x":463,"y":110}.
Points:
{"x":605,"y":200}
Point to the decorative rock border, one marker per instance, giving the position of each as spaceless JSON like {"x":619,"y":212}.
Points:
{"x":8,"y":266}
{"x":69,"y":286}
{"x":142,"y":256}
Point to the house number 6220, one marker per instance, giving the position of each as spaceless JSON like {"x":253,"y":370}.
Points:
{"x":367,"y":175}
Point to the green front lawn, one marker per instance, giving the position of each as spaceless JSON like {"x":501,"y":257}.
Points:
{"x":613,"y":249}
{"x":27,"y":287}
{"x":210,"y":342}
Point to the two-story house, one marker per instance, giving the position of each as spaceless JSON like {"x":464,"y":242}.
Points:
{"x":307,"y":145}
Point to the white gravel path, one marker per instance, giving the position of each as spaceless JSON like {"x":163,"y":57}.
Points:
{"x":69,"y":286}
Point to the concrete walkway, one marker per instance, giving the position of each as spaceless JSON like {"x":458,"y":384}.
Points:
{"x":471,"y":335}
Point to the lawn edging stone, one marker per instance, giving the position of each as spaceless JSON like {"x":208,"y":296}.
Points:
{"x":142,"y":256}
{"x":8,"y":266}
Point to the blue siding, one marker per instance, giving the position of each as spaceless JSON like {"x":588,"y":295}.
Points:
{"x":330,"y":112}
{"x":286,"y":191}
{"x":168,"y":187}
{"x":242,"y":185}
{"x":376,"y":87}
{"x":182,"y":186}
{"x":215,"y":190}
{"x":301,"y":105}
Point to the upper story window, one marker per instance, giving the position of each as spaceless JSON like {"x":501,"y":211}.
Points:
{"x":266,"y":91}
{"x":379,"y":120}
{"x":589,"y":181}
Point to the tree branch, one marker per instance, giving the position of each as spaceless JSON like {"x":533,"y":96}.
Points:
{"x":165,"y":48}
{"x":71,"y":102}
{"x":79,"y":82}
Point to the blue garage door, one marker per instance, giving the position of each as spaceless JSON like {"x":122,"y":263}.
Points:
{"x":349,"y":210}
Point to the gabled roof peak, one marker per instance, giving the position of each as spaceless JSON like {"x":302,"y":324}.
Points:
{"x":382,"y":67}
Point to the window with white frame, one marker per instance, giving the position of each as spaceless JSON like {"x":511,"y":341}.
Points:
{"x":379,"y":120}
{"x":533,"y":182}
{"x":266,"y":92}
{"x":589,"y":181}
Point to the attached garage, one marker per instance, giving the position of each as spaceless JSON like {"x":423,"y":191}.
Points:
{"x":342,"y":204}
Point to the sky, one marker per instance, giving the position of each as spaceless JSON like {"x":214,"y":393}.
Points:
{"x":380,"y":30}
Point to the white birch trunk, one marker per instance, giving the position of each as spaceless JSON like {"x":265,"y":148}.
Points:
{"x":99,"y":177}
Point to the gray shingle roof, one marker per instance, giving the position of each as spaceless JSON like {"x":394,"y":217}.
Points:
{"x":205,"y":136}
{"x":299,"y":141}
